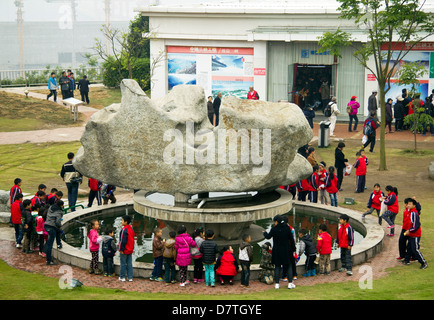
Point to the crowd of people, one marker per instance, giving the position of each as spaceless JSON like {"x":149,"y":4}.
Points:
{"x":67,"y":85}
{"x":37,"y":222}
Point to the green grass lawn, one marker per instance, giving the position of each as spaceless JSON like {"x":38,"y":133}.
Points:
{"x":34,"y":164}
{"x":41,"y":164}
{"x":18,"y":113}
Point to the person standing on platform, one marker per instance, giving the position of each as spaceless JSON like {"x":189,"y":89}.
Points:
{"x":252,"y":94}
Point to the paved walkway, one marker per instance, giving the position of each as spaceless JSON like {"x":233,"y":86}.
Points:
{"x":35,"y":264}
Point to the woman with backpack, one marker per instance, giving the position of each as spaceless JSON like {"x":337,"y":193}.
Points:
{"x":352,"y":108}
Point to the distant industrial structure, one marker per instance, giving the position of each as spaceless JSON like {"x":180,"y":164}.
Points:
{"x":34,"y":45}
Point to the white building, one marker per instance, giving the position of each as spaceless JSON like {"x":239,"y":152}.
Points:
{"x":272,"y":45}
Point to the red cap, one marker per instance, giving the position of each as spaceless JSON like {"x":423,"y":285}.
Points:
{"x":353,"y":97}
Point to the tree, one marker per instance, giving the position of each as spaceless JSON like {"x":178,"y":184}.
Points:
{"x":408,"y":75}
{"x":129,"y":55}
{"x":393,"y":29}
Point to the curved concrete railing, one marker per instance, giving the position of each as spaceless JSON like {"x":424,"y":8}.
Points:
{"x":371,"y":245}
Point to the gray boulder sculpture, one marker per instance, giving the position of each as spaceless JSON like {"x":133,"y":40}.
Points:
{"x":168,"y":145}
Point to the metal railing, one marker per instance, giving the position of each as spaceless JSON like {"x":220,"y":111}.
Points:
{"x":39,"y":77}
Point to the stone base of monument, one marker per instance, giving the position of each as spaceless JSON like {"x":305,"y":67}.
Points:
{"x":229,"y":218}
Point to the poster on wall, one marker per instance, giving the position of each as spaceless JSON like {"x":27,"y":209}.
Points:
{"x":422,"y":54}
{"x":226,"y":70}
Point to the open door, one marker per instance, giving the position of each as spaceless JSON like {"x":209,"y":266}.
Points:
{"x":291,"y":87}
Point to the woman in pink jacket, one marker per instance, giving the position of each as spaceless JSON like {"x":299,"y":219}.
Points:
{"x":183,"y":242}
{"x":353,"y":107}
{"x":94,"y":241}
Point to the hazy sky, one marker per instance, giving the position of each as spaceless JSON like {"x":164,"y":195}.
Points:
{"x":87,"y":10}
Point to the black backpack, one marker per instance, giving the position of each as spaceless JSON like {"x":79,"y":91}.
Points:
{"x":107,"y":250}
{"x":328,"y":110}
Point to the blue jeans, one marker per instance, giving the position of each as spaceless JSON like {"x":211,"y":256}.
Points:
{"x":18,"y":233}
{"x":169,"y":269}
{"x":52,"y":231}
{"x":245,"y":272}
{"x":333,"y":199}
{"x":72,"y":194}
{"x":126,"y":266}
{"x":108,"y":265}
{"x":158,"y":267}
{"x":209,"y":274}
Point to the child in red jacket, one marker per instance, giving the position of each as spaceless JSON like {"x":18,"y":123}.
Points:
{"x":332,"y":186}
{"x":95,"y":191}
{"x":413,"y":233}
{"x":227,"y":265}
{"x":374,"y":203}
{"x":16,"y":211}
{"x":324,"y":248}
{"x":126,"y":248}
{"x":360,"y":166}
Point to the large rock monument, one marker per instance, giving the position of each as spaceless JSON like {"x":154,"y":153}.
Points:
{"x":168,"y":145}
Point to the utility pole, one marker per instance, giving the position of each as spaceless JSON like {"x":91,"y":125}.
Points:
{"x":19,"y":4}
{"x":107,"y":25}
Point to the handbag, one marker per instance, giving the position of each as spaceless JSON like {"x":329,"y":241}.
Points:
{"x":194,"y":251}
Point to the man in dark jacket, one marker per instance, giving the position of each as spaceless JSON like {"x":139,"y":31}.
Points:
{"x":399,"y":113}
{"x":71,"y":85}
{"x":372,"y":102}
{"x":216,"y":104}
{"x":340,"y":163}
{"x":283,"y":247}
{"x":83,"y":86}
{"x":64,"y":85}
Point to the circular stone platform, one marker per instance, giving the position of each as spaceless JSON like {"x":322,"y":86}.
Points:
{"x":370,"y":246}
{"x":229,"y":222}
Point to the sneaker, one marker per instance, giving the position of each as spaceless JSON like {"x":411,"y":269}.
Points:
{"x":294,"y":278}
{"x":424,"y":266}
{"x":51,"y":263}
{"x":390,"y":227}
{"x":106,"y":275}
{"x":212,"y":285}
{"x":390,"y":235}
{"x":173,"y":281}
{"x":194,"y":280}
{"x":59,"y":247}
{"x":349,"y":273}
{"x":182,"y":284}
{"x":276,"y":286}
{"x":130,"y":280}
{"x":291,"y":285}
{"x":19,"y":246}
{"x":122,"y":279}
{"x":342,"y":269}
{"x":405,"y":263}
{"x":42,"y":254}
{"x":159,"y":279}
{"x":231,"y":282}
{"x":151,"y":278}
{"x":285,"y":279}
{"x":187,"y":282}
{"x":399,"y":258}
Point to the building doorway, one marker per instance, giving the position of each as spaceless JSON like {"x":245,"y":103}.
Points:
{"x":307,"y":81}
